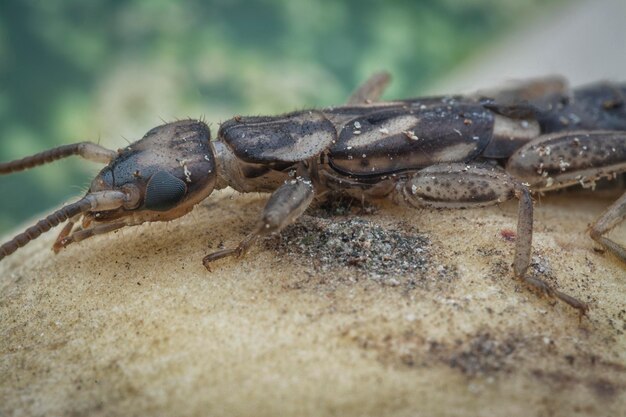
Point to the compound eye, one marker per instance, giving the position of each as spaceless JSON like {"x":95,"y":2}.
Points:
{"x":164,"y":191}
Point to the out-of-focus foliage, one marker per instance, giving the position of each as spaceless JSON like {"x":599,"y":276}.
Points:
{"x":74,"y":70}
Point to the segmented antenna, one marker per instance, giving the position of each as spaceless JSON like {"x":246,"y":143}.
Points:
{"x":44,"y":225}
{"x":87,"y":150}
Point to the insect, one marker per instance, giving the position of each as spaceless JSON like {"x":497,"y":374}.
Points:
{"x":433,"y":152}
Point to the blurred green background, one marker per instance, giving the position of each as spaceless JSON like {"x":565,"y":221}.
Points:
{"x":106,"y":70}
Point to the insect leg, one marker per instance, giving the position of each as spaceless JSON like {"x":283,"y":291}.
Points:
{"x":285,"y":205}
{"x":580,"y":157}
{"x":615,"y":214}
{"x":102,"y":200}
{"x":370,"y":90}
{"x":462,"y":186}
{"x":87,"y":150}
{"x":563,"y":159}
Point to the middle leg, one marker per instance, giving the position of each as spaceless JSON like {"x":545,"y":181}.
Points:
{"x":462,"y":186}
{"x":563,"y":159}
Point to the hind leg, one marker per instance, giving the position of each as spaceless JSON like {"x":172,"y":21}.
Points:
{"x":462,"y":186}
{"x":615,"y":214}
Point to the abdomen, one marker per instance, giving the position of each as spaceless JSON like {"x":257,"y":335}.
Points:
{"x":411,"y":137}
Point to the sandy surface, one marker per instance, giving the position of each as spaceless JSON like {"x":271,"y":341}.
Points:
{"x":132,"y":324}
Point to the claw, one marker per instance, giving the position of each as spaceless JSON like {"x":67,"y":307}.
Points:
{"x":219,"y":255}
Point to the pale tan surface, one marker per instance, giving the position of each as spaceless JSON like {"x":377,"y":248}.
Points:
{"x":132,"y":324}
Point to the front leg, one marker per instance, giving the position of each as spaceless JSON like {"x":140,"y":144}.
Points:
{"x":462,"y":186}
{"x":285,"y":205}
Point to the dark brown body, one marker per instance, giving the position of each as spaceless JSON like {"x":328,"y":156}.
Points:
{"x":361,"y":145}
{"x":441,"y":152}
